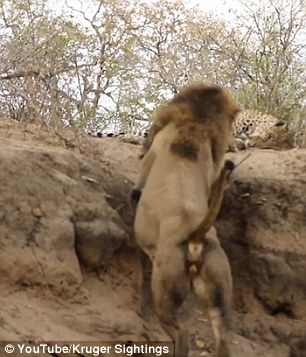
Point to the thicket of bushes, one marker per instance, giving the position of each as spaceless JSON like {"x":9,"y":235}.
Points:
{"x":109,"y":63}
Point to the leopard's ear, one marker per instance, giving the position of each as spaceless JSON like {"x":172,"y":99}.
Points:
{"x":281,"y":123}
{"x":235,"y":113}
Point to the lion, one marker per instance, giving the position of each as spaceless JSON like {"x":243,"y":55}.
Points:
{"x":183,"y":161}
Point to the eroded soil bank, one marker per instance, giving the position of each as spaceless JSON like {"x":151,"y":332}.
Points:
{"x":68,"y":264}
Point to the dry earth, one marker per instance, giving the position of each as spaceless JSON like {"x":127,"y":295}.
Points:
{"x":68,"y":265}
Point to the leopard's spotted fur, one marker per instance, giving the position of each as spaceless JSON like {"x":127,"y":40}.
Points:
{"x":253,"y":128}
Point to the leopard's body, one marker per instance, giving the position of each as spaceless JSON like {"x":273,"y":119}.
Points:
{"x":252,"y":128}
{"x":131,"y":138}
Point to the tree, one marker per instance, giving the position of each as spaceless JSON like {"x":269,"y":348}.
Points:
{"x":265,"y":53}
{"x":109,"y":67}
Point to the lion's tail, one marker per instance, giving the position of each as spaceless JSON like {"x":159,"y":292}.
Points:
{"x":197,"y":237}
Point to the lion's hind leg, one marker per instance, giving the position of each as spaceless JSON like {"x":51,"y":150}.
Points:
{"x":220,"y":330}
{"x":213,"y":284}
{"x":170,"y":286}
{"x":219,"y":299}
{"x":213,"y":299}
{"x":146,"y":297}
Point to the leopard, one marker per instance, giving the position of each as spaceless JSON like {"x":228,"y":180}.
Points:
{"x":251,"y":129}
{"x":256,"y":129}
{"x":136,"y":138}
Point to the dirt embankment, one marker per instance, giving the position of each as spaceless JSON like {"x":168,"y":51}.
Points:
{"x":69,"y":269}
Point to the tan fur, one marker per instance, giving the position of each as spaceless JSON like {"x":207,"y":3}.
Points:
{"x":184,"y":156}
{"x":185,"y":107}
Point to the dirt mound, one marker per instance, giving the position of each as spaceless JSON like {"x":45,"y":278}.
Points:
{"x":263,"y":229}
{"x":68,"y":262}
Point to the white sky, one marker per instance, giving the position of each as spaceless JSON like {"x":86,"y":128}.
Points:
{"x":220,"y":7}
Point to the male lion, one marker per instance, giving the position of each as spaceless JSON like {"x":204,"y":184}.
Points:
{"x":183,"y":160}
